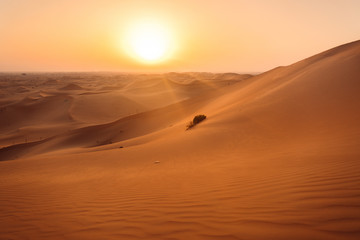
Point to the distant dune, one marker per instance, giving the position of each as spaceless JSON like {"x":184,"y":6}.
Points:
{"x":276,"y":158}
{"x":71,"y":86}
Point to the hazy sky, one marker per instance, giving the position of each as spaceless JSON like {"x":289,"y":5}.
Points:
{"x":209,"y":35}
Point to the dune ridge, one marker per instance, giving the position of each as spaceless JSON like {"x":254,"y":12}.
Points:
{"x":276,"y":158}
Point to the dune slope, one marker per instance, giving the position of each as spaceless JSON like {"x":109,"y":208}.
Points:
{"x":277,"y":158}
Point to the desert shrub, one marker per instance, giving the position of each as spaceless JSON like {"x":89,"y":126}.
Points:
{"x":197,"y":119}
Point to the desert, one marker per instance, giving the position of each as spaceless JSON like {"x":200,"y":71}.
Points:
{"x":99,"y":156}
{"x":179,"y":120}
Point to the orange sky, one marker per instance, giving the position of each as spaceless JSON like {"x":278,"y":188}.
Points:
{"x":218,"y":36}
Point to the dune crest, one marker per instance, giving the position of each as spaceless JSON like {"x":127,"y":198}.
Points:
{"x":71,"y":86}
{"x":276,"y":158}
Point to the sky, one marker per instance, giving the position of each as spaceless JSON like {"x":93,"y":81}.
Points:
{"x":206,"y":35}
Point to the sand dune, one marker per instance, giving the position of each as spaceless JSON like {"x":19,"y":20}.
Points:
{"x":277,"y":158}
{"x":62,"y":113}
{"x":38,"y":110}
{"x":71,"y":86}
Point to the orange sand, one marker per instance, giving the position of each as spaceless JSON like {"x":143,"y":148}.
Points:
{"x":276,"y":158}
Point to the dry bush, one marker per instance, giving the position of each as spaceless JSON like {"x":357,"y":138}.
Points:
{"x":197,"y":119}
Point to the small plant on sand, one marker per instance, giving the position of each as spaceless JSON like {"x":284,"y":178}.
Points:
{"x":197,"y":119}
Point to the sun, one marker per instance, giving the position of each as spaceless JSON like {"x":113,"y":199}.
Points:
{"x":149,"y":42}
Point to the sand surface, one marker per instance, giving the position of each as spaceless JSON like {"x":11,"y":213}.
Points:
{"x":107,"y":156}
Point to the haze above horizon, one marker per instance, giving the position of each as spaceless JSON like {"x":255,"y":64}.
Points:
{"x":238,"y":36}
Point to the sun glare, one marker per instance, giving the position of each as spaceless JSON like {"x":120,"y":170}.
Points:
{"x":149,"y":42}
